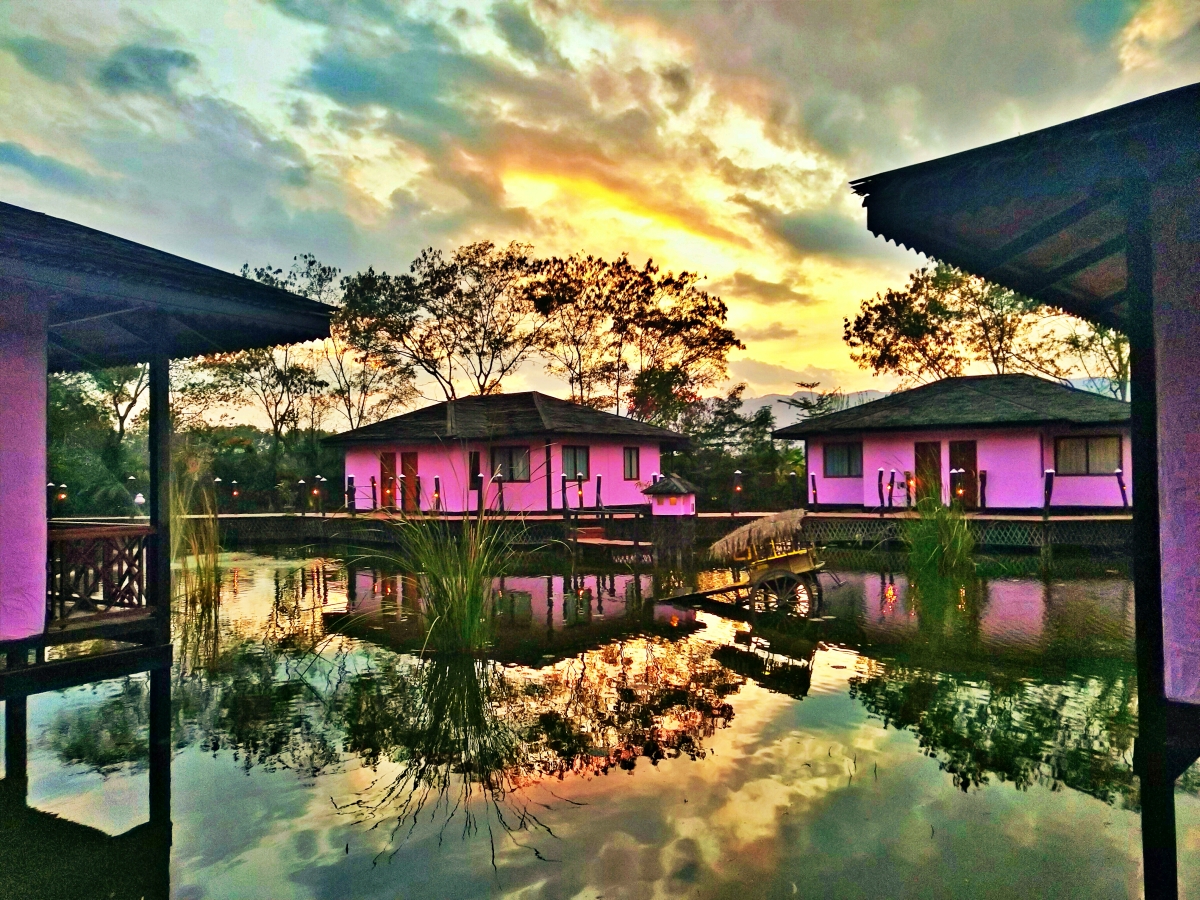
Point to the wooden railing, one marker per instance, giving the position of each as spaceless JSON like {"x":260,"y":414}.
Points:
{"x":94,"y":569}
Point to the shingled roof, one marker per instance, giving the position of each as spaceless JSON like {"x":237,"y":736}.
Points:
{"x":110,"y":299}
{"x":1000,"y":401}
{"x":502,"y":417}
{"x":670,"y":485}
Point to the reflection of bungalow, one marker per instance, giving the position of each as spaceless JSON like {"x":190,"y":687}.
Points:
{"x":988,"y":441}
{"x":518,"y":452}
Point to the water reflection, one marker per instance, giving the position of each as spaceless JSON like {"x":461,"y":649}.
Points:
{"x":311,"y":673}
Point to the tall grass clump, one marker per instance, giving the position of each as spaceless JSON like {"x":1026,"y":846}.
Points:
{"x":196,"y":588}
{"x":939,"y":539}
{"x":456,"y":567}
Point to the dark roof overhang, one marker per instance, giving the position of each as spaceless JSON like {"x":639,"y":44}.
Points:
{"x":1044,"y":213}
{"x":111,"y":300}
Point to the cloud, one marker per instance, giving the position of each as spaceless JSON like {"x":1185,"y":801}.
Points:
{"x":147,"y":70}
{"x":769,"y":376}
{"x":827,"y":231}
{"x":743,"y":284}
{"x":774,"y":331}
{"x":522,"y":34}
{"x":43,"y":58}
{"x":47,"y":170}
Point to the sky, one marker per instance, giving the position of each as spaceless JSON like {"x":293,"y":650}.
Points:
{"x":716,"y":138}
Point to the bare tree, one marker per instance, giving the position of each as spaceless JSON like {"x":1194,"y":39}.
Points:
{"x":1103,"y":355}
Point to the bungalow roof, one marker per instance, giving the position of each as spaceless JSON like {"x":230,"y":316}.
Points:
{"x":1045,"y":213}
{"x":105,"y":294}
{"x":973,"y":401}
{"x":501,"y":417}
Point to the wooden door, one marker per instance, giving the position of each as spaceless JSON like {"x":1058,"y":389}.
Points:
{"x":964,"y":485}
{"x":929,"y":470}
{"x":412,"y":486}
{"x":387,"y":480}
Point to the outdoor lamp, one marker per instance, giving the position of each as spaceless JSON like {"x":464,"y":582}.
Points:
{"x":233,"y":484}
{"x":139,"y":500}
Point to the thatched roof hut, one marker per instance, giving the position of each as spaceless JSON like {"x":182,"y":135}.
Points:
{"x":779,"y":527}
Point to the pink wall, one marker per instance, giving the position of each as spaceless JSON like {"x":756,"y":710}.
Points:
{"x":1015,"y":461}
{"x":449,"y":462}
{"x":684,"y":505}
{"x":22,"y":466}
{"x":1176,"y":213}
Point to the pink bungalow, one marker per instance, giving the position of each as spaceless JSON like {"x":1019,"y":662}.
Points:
{"x":996,"y":442}
{"x":524,"y":452}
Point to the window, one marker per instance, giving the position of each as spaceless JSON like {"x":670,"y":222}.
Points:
{"x":575,"y":463}
{"x":843,"y":460}
{"x":1100,"y":455}
{"x":511,"y":463}
{"x":632,"y":464}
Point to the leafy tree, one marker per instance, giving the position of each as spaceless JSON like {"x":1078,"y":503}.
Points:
{"x":467,"y":321}
{"x":945,"y":320}
{"x":578,"y":295}
{"x":1103,"y":354}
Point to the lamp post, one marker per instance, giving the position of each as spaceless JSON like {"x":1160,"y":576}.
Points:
{"x":234,"y":493}
{"x":303,"y":499}
{"x":130,"y":484}
{"x":737,"y":492}
{"x":217,"y":493}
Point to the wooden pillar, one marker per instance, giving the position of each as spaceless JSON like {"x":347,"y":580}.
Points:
{"x":1157,"y":787}
{"x":159,"y":561}
{"x":160,"y":745}
{"x":16,"y":719}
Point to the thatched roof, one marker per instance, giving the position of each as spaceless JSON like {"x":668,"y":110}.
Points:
{"x":780,"y":526}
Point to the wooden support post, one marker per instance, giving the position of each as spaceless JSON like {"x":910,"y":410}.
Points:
{"x":1157,"y":787}
{"x":159,"y":543}
{"x":160,"y":745}
{"x":16,"y":747}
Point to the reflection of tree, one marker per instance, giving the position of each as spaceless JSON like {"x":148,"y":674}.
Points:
{"x":460,"y":730}
{"x":1076,"y":734}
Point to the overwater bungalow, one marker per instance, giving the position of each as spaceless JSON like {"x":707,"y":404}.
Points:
{"x":73,"y":298}
{"x":1101,"y":217}
{"x":525,"y":452}
{"x":1004,"y":443}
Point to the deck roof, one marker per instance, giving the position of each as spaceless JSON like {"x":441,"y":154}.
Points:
{"x":1044,"y":213}
{"x":104,"y":292}
{"x":981,"y":401}
{"x":505,"y":416}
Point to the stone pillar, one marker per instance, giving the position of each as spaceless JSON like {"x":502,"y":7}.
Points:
{"x":22,"y":466}
{"x":1175,"y":217}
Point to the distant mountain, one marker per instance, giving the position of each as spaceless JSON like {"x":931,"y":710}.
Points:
{"x":788,"y":415}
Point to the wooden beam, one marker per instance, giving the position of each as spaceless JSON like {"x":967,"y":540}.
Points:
{"x":76,"y":670}
{"x":1046,"y":229}
{"x":1041,"y":282}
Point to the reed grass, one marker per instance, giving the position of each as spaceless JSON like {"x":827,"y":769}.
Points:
{"x":196,"y":587}
{"x":939,"y":539}
{"x":456,"y":567}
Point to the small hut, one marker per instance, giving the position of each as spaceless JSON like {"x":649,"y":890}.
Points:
{"x":671,"y":496}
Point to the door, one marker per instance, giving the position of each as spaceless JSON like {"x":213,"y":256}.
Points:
{"x":387,"y":480}
{"x":965,"y":485}
{"x":412,"y":486}
{"x":929,"y":470}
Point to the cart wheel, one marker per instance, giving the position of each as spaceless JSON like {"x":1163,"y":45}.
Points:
{"x":798,"y":594}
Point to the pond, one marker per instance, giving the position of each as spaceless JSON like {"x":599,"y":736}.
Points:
{"x":973,"y":740}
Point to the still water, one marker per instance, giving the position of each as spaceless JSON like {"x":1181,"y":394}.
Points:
{"x":974,"y":740}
